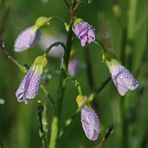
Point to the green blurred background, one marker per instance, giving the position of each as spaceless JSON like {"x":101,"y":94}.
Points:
{"x":122,"y":25}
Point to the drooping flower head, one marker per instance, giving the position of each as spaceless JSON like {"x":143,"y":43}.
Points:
{"x":89,"y":119}
{"x":29,"y":86}
{"x":121,"y":77}
{"x":84,"y":31}
{"x":30,"y":36}
{"x":90,"y":123}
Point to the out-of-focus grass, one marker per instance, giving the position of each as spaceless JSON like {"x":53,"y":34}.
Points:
{"x":18,"y":122}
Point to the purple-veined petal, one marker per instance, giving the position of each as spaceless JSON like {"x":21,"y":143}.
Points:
{"x":84,"y":32}
{"x":29,"y":86}
{"x":123,"y":79}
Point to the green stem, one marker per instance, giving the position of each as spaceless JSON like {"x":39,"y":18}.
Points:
{"x":57,"y":118}
{"x":89,"y":69}
{"x":106,"y":136}
{"x":42,"y":132}
{"x":54,"y":132}
{"x":99,"y":89}
{"x":56,"y":44}
{"x":10,"y":58}
{"x":98,"y":42}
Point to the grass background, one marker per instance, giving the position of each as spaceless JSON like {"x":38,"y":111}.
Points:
{"x":122,"y":25}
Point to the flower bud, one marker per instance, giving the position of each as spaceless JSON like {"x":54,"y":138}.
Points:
{"x":26,"y":39}
{"x":29,"y":86}
{"x":84,"y":32}
{"x":121,"y":77}
{"x":30,"y":36}
{"x":90,"y":123}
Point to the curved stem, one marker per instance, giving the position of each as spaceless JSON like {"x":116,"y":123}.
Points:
{"x":55,"y":44}
{"x":99,"y":89}
{"x":98,"y":42}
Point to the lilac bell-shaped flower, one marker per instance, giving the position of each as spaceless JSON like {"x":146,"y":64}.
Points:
{"x":30,"y":36}
{"x":90,"y":123}
{"x":89,"y":119}
{"x":84,"y":31}
{"x":26,"y":39}
{"x":121,"y":77}
{"x":29,"y":86}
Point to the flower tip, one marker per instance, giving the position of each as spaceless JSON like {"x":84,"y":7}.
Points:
{"x":26,"y":39}
{"x":41,"y":21}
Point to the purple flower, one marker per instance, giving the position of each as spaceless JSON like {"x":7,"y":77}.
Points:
{"x":90,"y":123}
{"x":29,"y":86}
{"x":122,"y":79}
{"x":73,"y":67}
{"x":26,"y":39}
{"x":84,"y":32}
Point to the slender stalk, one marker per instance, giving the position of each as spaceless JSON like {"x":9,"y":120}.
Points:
{"x":10,"y":58}
{"x":105,"y":138}
{"x":101,"y":44}
{"x":99,"y":89}
{"x":89,"y":73}
{"x":56,"y":44}
{"x":42,"y":133}
{"x":54,"y":132}
{"x":55,"y":127}
{"x":67,"y":4}
{"x":102,"y":86}
{"x":89,"y":69}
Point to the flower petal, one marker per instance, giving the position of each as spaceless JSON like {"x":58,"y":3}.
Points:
{"x":90,"y":123}
{"x":26,"y":39}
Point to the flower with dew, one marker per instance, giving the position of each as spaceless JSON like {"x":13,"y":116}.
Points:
{"x":30,"y":36}
{"x":84,"y":31}
{"x":121,"y":77}
{"x":89,"y":118}
{"x":29,"y":86}
{"x":90,"y":123}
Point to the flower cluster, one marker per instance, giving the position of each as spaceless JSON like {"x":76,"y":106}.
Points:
{"x":28,"y":89}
